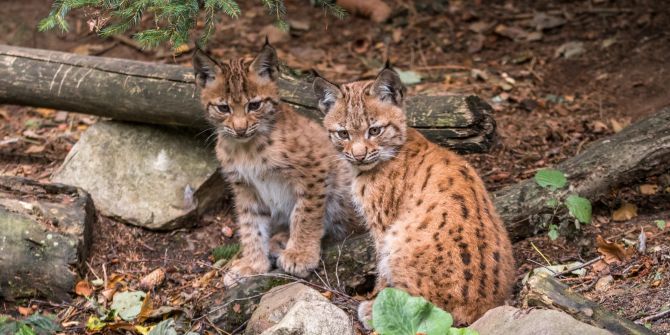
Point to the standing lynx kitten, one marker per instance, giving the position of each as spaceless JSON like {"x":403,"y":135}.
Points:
{"x":282,"y":169}
{"x":435,"y":229}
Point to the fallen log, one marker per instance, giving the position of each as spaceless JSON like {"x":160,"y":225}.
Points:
{"x":641,"y":149}
{"x":543,"y":290}
{"x":165,"y":94}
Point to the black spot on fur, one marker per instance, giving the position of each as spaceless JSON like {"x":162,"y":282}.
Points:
{"x":465,"y":212}
{"x":465,"y":257}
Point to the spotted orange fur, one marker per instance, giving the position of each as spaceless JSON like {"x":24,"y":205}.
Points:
{"x":436,"y":231}
{"x":282,"y":169}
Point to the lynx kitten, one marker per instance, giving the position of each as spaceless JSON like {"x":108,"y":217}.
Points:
{"x":436,"y":232}
{"x":282,"y":169}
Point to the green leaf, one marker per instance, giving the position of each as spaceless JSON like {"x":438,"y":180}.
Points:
{"x":550,"y":178}
{"x":437,"y":322}
{"x":227,"y":251}
{"x":553,"y":232}
{"x":94,"y":324}
{"x":551,"y":203}
{"x":43,"y":324}
{"x":128,"y":304}
{"x":660,"y":224}
{"x":462,"y":331}
{"x":409,"y":77}
{"x":397,"y":313}
{"x":579,"y":207}
{"x":25,"y":330}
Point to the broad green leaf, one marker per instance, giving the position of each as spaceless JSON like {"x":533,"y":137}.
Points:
{"x":550,"y":178}
{"x":660,"y":224}
{"x":551,"y":203}
{"x":579,"y":207}
{"x":128,"y":304}
{"x":462,"y":331}
{"x":409,"y":77}
{"x":553,"y":232}
{"x":437,"y":322}
{"x":94,"y":324}
{"x":395,"y":312}
{"x":225,"y":251}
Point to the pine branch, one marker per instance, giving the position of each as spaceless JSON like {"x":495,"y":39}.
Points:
{"x":174,"y":20}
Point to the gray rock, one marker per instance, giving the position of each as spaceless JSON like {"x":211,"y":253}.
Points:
{"x":297,"y":309}
{"x":510,"y":320}
{"x":144,"y":175}
{"x":45,"y":232}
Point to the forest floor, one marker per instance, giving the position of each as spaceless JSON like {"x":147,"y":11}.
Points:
{"x":551,"y":99}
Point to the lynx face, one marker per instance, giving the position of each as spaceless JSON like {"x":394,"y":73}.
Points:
{"x":240,"y":96}
{"x":365,"y":118}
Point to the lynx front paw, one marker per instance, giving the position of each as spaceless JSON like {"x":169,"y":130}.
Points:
{"x":298,"y":262}
{"x":365,"y":313}
{"x":240,"y":270}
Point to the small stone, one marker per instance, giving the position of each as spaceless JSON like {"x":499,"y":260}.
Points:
{"x":511,"y":320}
{"x":297,"y":309}
{"x":604,"y":283}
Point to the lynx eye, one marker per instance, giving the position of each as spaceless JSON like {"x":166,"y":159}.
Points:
{"x":374,"y":131}
{"x":254,"y":105}
{"x":343,"y":134}
{"x":223,"y":108}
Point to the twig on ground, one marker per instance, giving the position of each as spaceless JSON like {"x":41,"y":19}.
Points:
{"x":542,"y":265}
{"x":653,"y":317}
{"x":541,"y":254}
{"x":579,"y":267}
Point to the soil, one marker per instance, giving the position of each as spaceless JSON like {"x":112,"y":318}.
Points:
{"x":547,"y":107}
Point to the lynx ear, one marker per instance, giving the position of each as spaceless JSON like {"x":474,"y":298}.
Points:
{"x":266,"y":64}
{"x":388,"y":87}
{"x":326,"y":92}
{"x":204,"y":68}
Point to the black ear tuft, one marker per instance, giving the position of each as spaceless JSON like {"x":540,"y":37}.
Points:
{"x":266,"y":64}
{"x":204,"y":68}
{"x":388,"y":87}
{"x":326,"y":92}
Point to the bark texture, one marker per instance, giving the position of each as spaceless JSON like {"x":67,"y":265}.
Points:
{"x":543,"y":290}
{"x":165,"y":94}
{"x":637,"y":151}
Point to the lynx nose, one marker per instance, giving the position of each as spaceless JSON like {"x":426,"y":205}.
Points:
{"x":240,"y":131}
{"x":359,"y":151}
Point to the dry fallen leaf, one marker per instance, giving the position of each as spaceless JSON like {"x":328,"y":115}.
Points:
{"x":626,"y":212}
{"x":83,"y":288}
{"x":237,"y":308}
{"x":147,"y":308}
{"x":328,"y":295}
{"x":612,"y":252}
{"x":648,"y":189}
{"x":45,"y":112}
{"x":25,"y":311}
{"x":153,"y":279}
{"x":227,"y":231}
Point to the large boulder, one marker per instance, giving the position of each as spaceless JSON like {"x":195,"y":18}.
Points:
{"x":511,"y":320}
{"x":45,"y":232}
{"x":153,"y":177}
{"x":297,"y":309}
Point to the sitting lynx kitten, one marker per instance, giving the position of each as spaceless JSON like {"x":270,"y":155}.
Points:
{"x":282,"y":169}
{"x":435,"y":229}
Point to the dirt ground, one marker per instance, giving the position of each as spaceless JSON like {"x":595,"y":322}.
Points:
{"x":548,"y":107}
